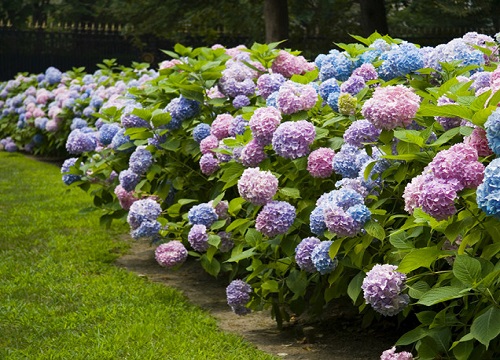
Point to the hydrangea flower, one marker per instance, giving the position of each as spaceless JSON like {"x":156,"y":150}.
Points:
{"x":140,"y":160}
{"x":336,"y":65}
{"x":79,"y":142}
{"x":317,"y":221}
{"x":237,"y":79}
{"x":391,"y":106}
{"x":294,"y":97}
{"x":238,"y":295}
{"x":288,"y":65}
{"x":221,"y":125}
{"x":78,"y":123}
{"x":53,"y":75}
{"x":492,"y":127}
{"x":209,"y":164}
{"x":346,"y":104}
{"x":125,"y":198}
{"x":200,"y":132}
{"x":353,"y":85}
{"x":147,"y":230}
{"x":320,"y":162}
{"x":400,"y":60}
{"x":349,"y":161}
{"x":143,"y":210}
{"x":328,"y":87}
{"x":238,"y":126}
{"x":275,"y":218}
{"x":241,"y":101}
{"x":291,"y":140}
{"x":303,"y":254}
{"x":361,"y":132}
{"x":129,"y":179}
{"x":181,"y":108}
{"x":264,"y":123}
{"x":203,"y":214}
{"x":488,"y":193}
{"x":321,"y":258}
{"x":107,"y":133}
{"x":119,"y":139}
{"x":171,"y":254}
{"x":68,"y":179}
{"x":382,"y":288}
{"x":198,"y":238}
{"x":226,"y":242}
{"x":252,"y":154}
{"x":208,"y":144}
{"x":256,"y":186}
{"x":391,"y":354}
{"x":367,"y":71}
{"x":269,"y":83}
{"x":133,"y":121}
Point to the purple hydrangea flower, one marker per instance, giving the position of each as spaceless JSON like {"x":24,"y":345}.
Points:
{"x":238,"y":126}
{"x":53,"y":75}
{"x":141,"y":211}
{"x":203,"y":214}
{"x":320,"y":162}
{"x":269,"y":83}
{"x":238,"y":295}
{"x":391,"y":106}
{"x":129,"y":179}
{"x":321,"y":258}
{"x":133,"y":121}
{"x":140,"y":160}
{"x":275,"y":218}
{"x":237,"y":79}
{"x":257,"y":187}
{"x":221,"y":125}
{"x":147,"y":230}
{"x":107,"y":132}
{"x":252,"y":154}
{"x":361,"y":132}
{"x":209,"y":164}
{"x":391,"y":354}
{"x":382,"y":289}
{"x":241,"y":101}
{"x":226,"y":241}
{"x":291,"y":140}
{"x":198,"y":238}
{"x":171,"y":254}
{"x":200,"y":132}
{"x":294,"y":97}
{"x":353,"y":85}
{"x":264,"y":123}
{"x":367,"y":71}
{"x":125,"y":198}
{"x":79,"y":142}
{"x":303,"y":254}
{"x":68,"y":179}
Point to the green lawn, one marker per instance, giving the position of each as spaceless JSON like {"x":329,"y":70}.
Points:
{"x":61,"y":297}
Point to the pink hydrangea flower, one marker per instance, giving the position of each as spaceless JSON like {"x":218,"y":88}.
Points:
{"x":294,"y":97}
{"x":263,"y":123}
{"x":320,"y":162}
{"x":288,"y":65}
{"x":478,"y":141}
{"x":208,"y":144}
{"x":221,"y":126}
{"x":257,"y":187}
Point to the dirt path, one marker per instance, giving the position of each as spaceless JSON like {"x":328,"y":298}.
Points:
{"x":338,"y":339}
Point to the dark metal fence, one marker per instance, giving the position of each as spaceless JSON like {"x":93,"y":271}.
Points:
{"x":65,"y":46}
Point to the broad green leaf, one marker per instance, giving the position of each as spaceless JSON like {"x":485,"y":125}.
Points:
{"x":467,"y":269}
{"x":486,"y":327}
{"x":243,"y":255}
{"x":354,"y":288}
{"x":297,"y":282}
{"x":270,"y":285}
{"x":211,"y":266}
{"x":454,"y":110}
{"x":418,"y":289}
{"x":440,"y":294}
{"x":290,"y":192}
{"x":413,"y":336}
{"x":400,"y":242}
{"x":375,"y":229}
{"x":417,"y":258}
{"x":334,"y":247}
{"x":237,"y":223}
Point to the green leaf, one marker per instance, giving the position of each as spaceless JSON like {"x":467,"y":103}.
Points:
{"x":243,"y":255}
{"x":418,"y":289}
{"x":270,"y":285}
{"x":235,"y":205}
{"x":467,"y":269}
{"x":237,"y":223}
{"x":334,"y":247}
{"x":486,"y":327}
{"x":413,"y":336}
{"x":440,"y":294}
{"x":454,"y":110}
{"x":297,"y":282}
{"x":354,"y":287}
{"x":447,"y":136}
{"x":423,"y":257}
{"x":375,"y":229}
{"x":211,"y":266}
{"x":400,"y":242}
{"x":290,"y":192}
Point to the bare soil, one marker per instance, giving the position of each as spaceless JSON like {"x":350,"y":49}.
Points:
{"x":339,"y":337}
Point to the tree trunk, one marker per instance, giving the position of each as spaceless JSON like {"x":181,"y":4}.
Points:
{"x":276,"y":20}
{"x":373,"y":17}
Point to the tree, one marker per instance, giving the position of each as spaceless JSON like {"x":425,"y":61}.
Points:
{"x":373,"y":17}
{"x":276,"y":20}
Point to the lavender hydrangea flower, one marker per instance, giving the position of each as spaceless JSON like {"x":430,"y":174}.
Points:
{"x":291,"y":140}
{"x":78,"y":123}
{"x":320,"y":162}
{"x":367,"y":71}
{"x":209,"y":164}
{"x":264,"y":123}
{"x":107,"y":133}
{"x":238,"y":126}
{"x":252,"y":154}
{"x":79,"y":142}
{"x":238,"y":295}
{"x":147,"y":230}
{"x":200,"y":132}
{"x":237,"y":79}
{"x":208,"y":144}
{"x":198,"y":238}
{"x":321,"y":258}
{"x":353,"y":85}
{"x":129,"y":179}
{"x":382,"y":289}
{"x":203,"y":214}
{"x":488,"y":192}
{"x":241,"y":101}
{"x":275,"y":218}
{"x":141,"y":211}
{"x":133,"y":121}
{"x":269,"y":83}
{"x":361,"y":132}
{"x":53,"y":75}
{"x":391,"y":354}
{"x":171,"y":254}
{"x":257,"y":187}
{"x":391,"y":106}
{"x":294,"y":97}
{"x":69,"y":179}
{"x":140,"y":160}
{"x":303,"y":254}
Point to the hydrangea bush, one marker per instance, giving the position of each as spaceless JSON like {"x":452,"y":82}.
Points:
{"x":359,"y":174}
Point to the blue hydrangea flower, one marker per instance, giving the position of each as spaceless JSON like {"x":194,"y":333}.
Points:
{"x":333,"y":100}
{"x":141,"y":211}
{"x":119,"y":139}
{"x":361,"y":132}
{"x":68,"y":179}
{"x":79,"y":142}
{"x":53,"y":76}
{"x":200,"y":132}
{"x":272,"y":99}
{"x":492,"y":127}
{"x":182,"y":108}
{"x":129,"y":179}
{"x":238,"y":126}
{"x":321,"y":258}
{"x":349,"y":160}
{"x":335,"y":65}
{"x":488,"y":193}
{"x":107,"y":132}
{"x":78,"y":123}
{"x":328,"y":87}
{"x":202,"y":214}
{"x":140,"y":160}
{"x":148,"y":229}
{"x":317,"y":221}
{"x":133,"y":121}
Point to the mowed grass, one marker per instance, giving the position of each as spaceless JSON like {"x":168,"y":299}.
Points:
{"x":61,"y":297}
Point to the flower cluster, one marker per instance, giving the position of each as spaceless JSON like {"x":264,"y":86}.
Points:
{"x":293,"y":97}
{"x":321,"y":259}
{"x":252,"y":154}
{"x":336,"y":65}
{"x":142,"y":218}
{"x":198,"y":238}
{"x":269,"y":83}
{"x":303,"y":254}
{"x":382,"y":289}
{"x":181,"y":109}
{"x":200,"y":132}
{"x":238,"y":295}
{"x":79,"y":142}
{"x":125,"y":198}
{"x":264,"y":123}
{"x":349,"y":161}
{"x":256,"y":186}
{"x":391,"y":106}
{"x":320,"y":162}
{"x":221,"y":126}
{"x":237,"y":79}
{"x":288,"y":65}
{"x":492,"y":127}
{"x":400,"y":60}
{"x":291,"y":140}
{"x":275,"y":218}
{"x":202,"y":214}
{"x":140,"y":160}
{"x":67,"y":178}
{"x":488,"y":193}
{"x":391,"y":354}
{"x":361,"y":132}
